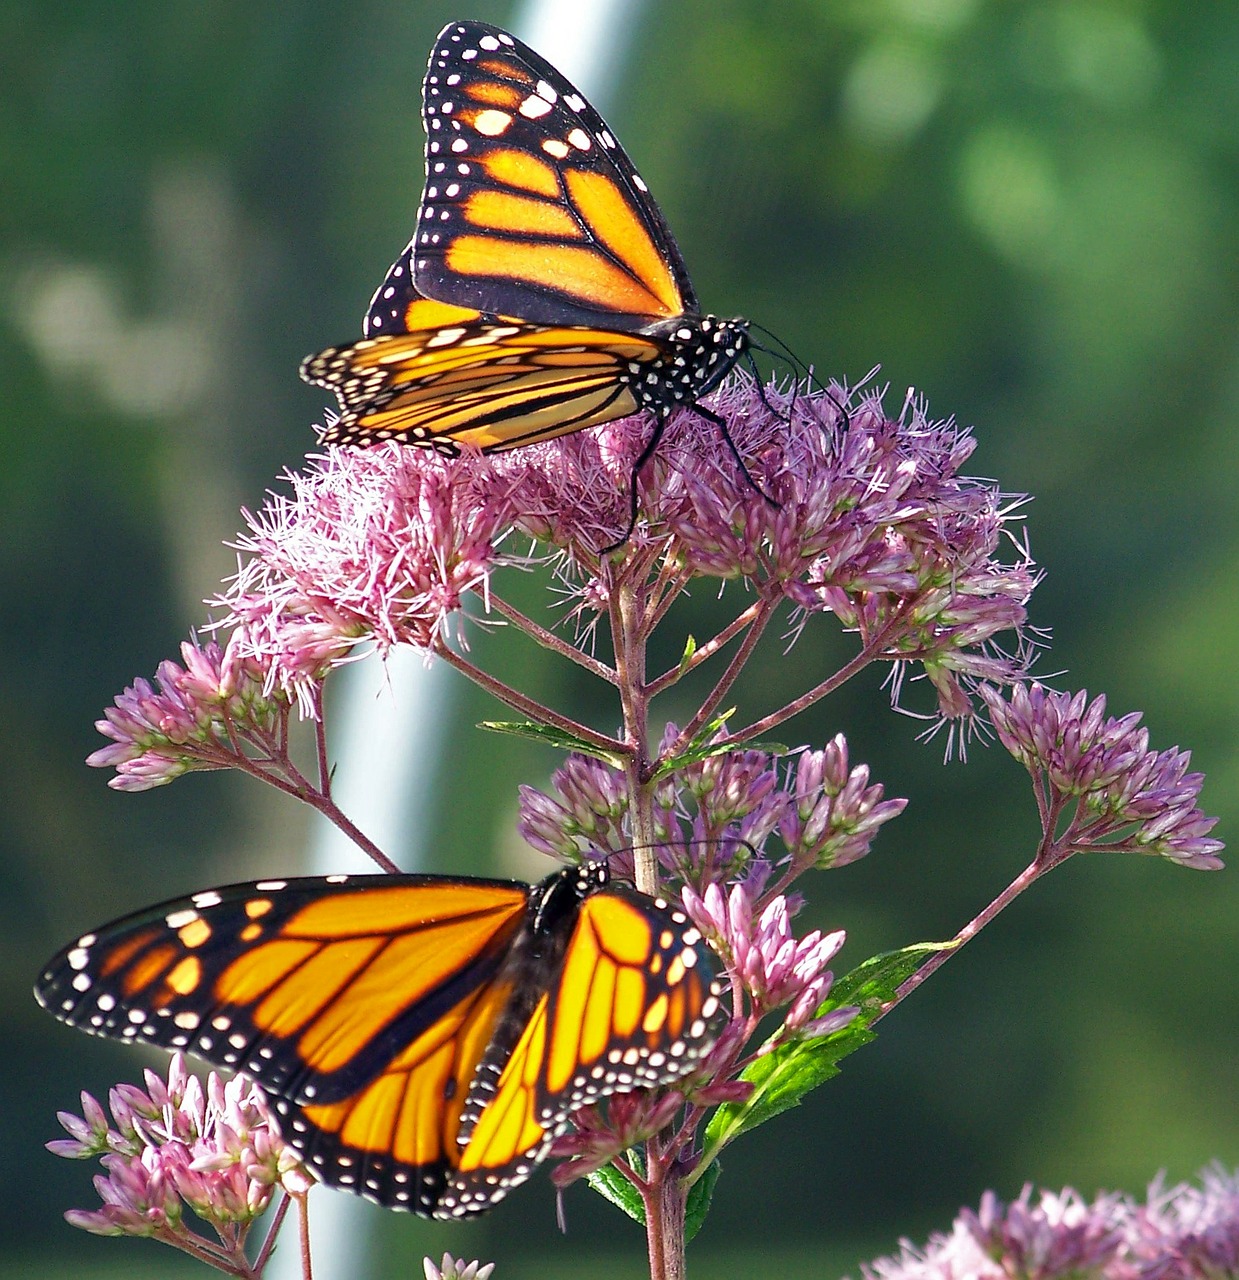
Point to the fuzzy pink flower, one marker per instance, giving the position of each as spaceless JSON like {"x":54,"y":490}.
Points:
{"x":194,"y":717}
{"x":1121,"y":796}
{"x":217,"y":1150}
{"x":606,"y":1130}
{"x":378,"y":545}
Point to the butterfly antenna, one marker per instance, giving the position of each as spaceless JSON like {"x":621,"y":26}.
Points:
{"x":808,"y":371}
{"x":757,"y":379}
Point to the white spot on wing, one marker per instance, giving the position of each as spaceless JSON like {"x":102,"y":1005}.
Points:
{"x":491,"y":122}
{"x":534,"y":107}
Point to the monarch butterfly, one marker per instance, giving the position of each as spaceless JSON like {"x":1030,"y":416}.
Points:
{"x":542,"y":291}
{"x":423,"y":1039}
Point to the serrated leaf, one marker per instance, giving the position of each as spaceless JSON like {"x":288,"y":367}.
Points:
{"x":783,"y":1076}
{"x":552,"y":738}
{"x":611,"y":1185}
{"x":700,"y":1194}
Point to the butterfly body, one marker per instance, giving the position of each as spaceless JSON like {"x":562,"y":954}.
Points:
{"x":542,"y":291}
{"x":423,"y":1039}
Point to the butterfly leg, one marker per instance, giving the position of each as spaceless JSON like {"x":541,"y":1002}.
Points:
{"x":643,"y":457}
{"x":710,"y":416}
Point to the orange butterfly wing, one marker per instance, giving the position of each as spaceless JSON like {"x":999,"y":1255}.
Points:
{"x":423,"y":1039}
{"x":542,"y":291}
{"x":635,"y":1004}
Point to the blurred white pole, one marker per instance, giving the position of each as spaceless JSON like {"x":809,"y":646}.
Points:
{"x":388,"y":725}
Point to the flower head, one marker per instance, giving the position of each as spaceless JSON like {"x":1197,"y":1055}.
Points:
{"x":837,"y":812}
{"x":216,"y":1149}
{"x":191,"y":718}
{"x":1124,"y":797}
{"x":375,"y":545}
{"x":1057,"y":1234}
{"x":1185,"y":1232}
{"x":761,"y":952}
{"x":1188,"y":1232}
{"x":606,"y":1130}
{"x":450,"y":1269}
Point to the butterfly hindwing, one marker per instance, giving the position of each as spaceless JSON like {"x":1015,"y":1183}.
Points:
{"x":489,"y":386}
{"x":635,"y":1003}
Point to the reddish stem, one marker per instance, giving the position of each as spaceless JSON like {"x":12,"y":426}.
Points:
{"x":707,"y":650}
{"x":870,"y":651}
{"x":535,"y":711}
{"x":549,"y":640}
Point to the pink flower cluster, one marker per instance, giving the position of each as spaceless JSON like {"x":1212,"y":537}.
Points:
{"x":374,"y":545}
{"x":1119,"y":795}
{"x":868,"y":519}
{"x":714,"y":815}
{"x":765,"y":960}
{"x":450,"y":1269}
{"x":215,"y":1149}
{"x":196,"y":716}
{"x":1184,"y":1232}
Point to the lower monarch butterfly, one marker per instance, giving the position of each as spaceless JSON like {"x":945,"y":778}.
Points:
{"x":542,"y":291}
{"x":423,"y":1039}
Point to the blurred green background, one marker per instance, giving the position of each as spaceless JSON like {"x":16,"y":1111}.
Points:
{"x":1028,"y":211}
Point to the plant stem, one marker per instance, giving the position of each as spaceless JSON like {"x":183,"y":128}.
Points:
{"x":549,"y":640}
{"x":664,"y":1217}
{"x":871,"y":650}
{"x":529,"y":707}
{"x":629,"y":643}
{"x":727,"y":679}
{"x":707,"y":650}
{"x":281,"y":1212}
{"x":303,"y":1221}
{"x":1049,"y":855}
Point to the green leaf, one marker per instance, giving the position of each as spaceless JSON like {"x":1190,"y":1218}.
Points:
{"x":699,"y":1196}
{"x":873,"y":983}
{"x":611,"y":1185}
{"x":782,"y":1076}
{"x":690,"y":648}
{"x":552,"y":738}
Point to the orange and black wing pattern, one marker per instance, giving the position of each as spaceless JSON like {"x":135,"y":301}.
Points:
{"x":454,"y":378}
{"x":531,"y":206}
{"x":634,"y":1003}
{"x":542,"y":291}
{"x":382,"y":1014}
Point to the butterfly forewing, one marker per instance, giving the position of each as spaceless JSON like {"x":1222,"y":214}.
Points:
{"x":304,"y":984}
{"x":531,"y":207}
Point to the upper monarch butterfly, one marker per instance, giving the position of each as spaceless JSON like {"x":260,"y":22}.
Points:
{"x":424,"y":1039}
{"x":542,"y":291}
